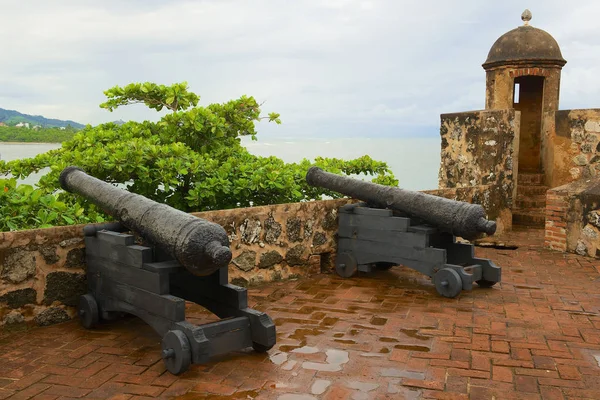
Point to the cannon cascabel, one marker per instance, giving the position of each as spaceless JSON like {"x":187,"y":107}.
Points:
{"x":202,"y":247}
{"x":456,"y":217}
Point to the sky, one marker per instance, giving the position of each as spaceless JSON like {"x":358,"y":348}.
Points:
{"x":331,"y":68}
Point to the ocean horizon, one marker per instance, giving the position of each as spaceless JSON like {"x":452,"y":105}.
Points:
{"x":414,"y":161}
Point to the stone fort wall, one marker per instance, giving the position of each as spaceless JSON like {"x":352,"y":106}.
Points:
{"x":42,"y":271}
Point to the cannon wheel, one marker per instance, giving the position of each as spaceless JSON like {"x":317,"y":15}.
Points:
{"x":261,"y":348}
{"x":448,"y":282}
{"x":486,"y":284}
{"x":176,"y":352}
{"x":346,"y":265}
{"x":88,"y":311}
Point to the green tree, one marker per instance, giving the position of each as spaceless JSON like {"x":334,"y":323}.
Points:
{"x":191,"y":159}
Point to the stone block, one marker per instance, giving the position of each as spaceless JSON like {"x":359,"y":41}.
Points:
{"x":250,"y":231}
{"x":272,"y":230}
{"x":296,"y":256}
{"x":319,"y":239}
{"x":245,"y":261}
{"x":308,"y":228}
{"x":19,"y":298}
{"x":580,"y":160}
{"x":51,"y":316}
{"x":330,"y":221}
{"x":13,"y":318}
{"x":64,"y":287}
{"x":269,"y":259}
{"x":19,"y":265}
{"x":592,"y":126}
{"x":49,"y":254}
{"x":294,"y":228}
{"x":76,"y":258}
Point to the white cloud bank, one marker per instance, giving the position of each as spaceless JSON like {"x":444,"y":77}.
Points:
{"x":331,"y":68}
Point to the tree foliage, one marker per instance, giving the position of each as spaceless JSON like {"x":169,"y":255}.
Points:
{"x":191,"y":159}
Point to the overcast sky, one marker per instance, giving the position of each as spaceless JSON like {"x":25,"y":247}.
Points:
{"x":332,"y":68}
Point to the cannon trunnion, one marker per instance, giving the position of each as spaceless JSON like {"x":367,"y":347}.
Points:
{"x":151,"y":281}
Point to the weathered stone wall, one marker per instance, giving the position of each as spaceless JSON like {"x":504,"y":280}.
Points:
{"x":480,"y":148}
{"x":500,"y":84}
{"x":42,"y":272}
{"x":573,"y":218}
{"x":571,"y":145}
{"x":277,"y":242}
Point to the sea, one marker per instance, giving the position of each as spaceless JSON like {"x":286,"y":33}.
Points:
{"x":414,"y":161}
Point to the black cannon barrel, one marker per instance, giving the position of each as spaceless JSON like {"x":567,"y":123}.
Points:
{"x":456,"y":217}
{"x":199,"y":245}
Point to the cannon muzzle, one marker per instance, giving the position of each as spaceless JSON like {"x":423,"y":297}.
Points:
{"x":202,"y":247}
{"x":456,"y":217}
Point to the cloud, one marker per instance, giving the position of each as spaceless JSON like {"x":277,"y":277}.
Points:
{"x":331,"y":68}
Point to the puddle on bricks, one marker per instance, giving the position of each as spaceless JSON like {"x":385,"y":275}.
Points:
{"x":412,"y":347}
{"x":345,"y":341}
{"x":294,"y":396}
{"x":414,"y":333}
{"x":378,"y":321}
{"x":306,"y":350}
{"x":278,"y":358}
{"x":320,"y":386}
{"x":362,"y":386}
{"x":300,"y":335}
{"x":401,"y":373}
{"x":248,"y":394}
{"x":333,"y":363}
{"x":527,"y":287}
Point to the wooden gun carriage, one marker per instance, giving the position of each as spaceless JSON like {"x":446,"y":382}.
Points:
{"x":400,"y":227}
{"x":186,"y":259}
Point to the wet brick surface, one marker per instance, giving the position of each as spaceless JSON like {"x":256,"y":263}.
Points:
{"x":389,"y":335}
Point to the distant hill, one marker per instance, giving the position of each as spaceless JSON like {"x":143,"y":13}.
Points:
{"x":11,"y":117}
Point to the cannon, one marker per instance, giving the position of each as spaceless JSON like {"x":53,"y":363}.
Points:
{"x":181,"y":258}
{"x":393,"y":226}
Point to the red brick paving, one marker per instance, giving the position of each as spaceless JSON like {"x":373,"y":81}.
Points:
{"x":385,"y":336}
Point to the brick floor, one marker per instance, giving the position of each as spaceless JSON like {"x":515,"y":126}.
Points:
{"x":389,"y":335}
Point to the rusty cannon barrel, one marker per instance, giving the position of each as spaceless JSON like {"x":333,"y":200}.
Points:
{"x":202,"y":247}
{"x":456,"y":217}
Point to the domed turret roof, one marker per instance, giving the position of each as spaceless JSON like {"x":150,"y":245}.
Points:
{"x":525,"y":45}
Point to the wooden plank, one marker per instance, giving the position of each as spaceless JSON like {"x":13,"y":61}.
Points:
{"x":138,"y":277}
{"x":398,"y":224}
{"x":206,"y":290}
{"x":460,"y":253}
{"x":391,"y":253}
{"x":164,"y":306}
{"x":123,"y":239}
{"x":425,"y":229}
{"x":163,"y":266}
{"x":159,"y":324}
{"x":377,"y":235}
{"x":131,"y":255}
{"x":381,"y":212}
{"x":230,"y":340}
{"x":426,"y":268}
{"x":213,"y":329}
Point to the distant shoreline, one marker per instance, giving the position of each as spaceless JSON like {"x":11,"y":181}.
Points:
{"x":30,"y":142}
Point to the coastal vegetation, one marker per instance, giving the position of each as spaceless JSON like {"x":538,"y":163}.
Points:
{"x":191,"y":159}
{"x":39,"y":135}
